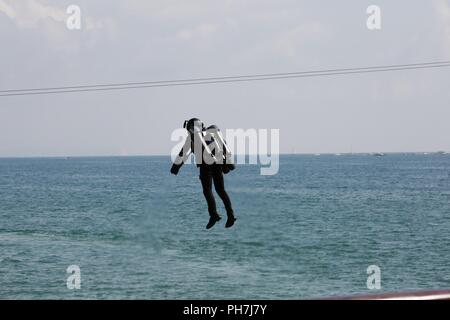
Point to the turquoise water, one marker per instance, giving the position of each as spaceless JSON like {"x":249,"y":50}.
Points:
{"x":138,"y":232}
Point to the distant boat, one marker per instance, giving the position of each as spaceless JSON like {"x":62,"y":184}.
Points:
{"x":441,"y":152}
{"x":378,"y":154}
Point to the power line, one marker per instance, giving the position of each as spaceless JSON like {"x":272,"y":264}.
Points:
{"x":224,"y":79}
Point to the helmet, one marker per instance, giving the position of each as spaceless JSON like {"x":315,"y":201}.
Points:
{"x":194,"y":125}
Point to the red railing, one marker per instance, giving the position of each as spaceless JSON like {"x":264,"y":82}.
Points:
{"x":416,"y":295}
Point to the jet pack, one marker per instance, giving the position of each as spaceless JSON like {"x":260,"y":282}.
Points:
{"x":207,"y":144}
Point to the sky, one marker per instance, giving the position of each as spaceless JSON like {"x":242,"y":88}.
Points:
{"x":132,"y":41}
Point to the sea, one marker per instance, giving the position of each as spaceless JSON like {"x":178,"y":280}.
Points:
{"x":318,"y":228}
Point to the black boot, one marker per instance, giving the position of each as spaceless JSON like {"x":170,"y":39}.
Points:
{"x":212,"y":220}
{"x":230,"y":221}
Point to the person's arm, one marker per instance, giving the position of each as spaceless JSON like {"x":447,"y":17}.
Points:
{"x":182,"y":156}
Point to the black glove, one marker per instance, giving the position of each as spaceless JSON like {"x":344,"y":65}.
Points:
{"x":175,"y":168}
{"x":227,"y":167}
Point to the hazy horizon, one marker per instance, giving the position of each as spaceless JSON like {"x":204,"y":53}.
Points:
{"x":281,"y":154}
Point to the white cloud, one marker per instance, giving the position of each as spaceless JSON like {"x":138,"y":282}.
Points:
{"x":49,"y":21}
{"x":7,"y":9}
{"x":30,"y":14}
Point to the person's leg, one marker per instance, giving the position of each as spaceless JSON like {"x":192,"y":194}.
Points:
{"x":219,"y":185}
{"x":206,"y":179}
